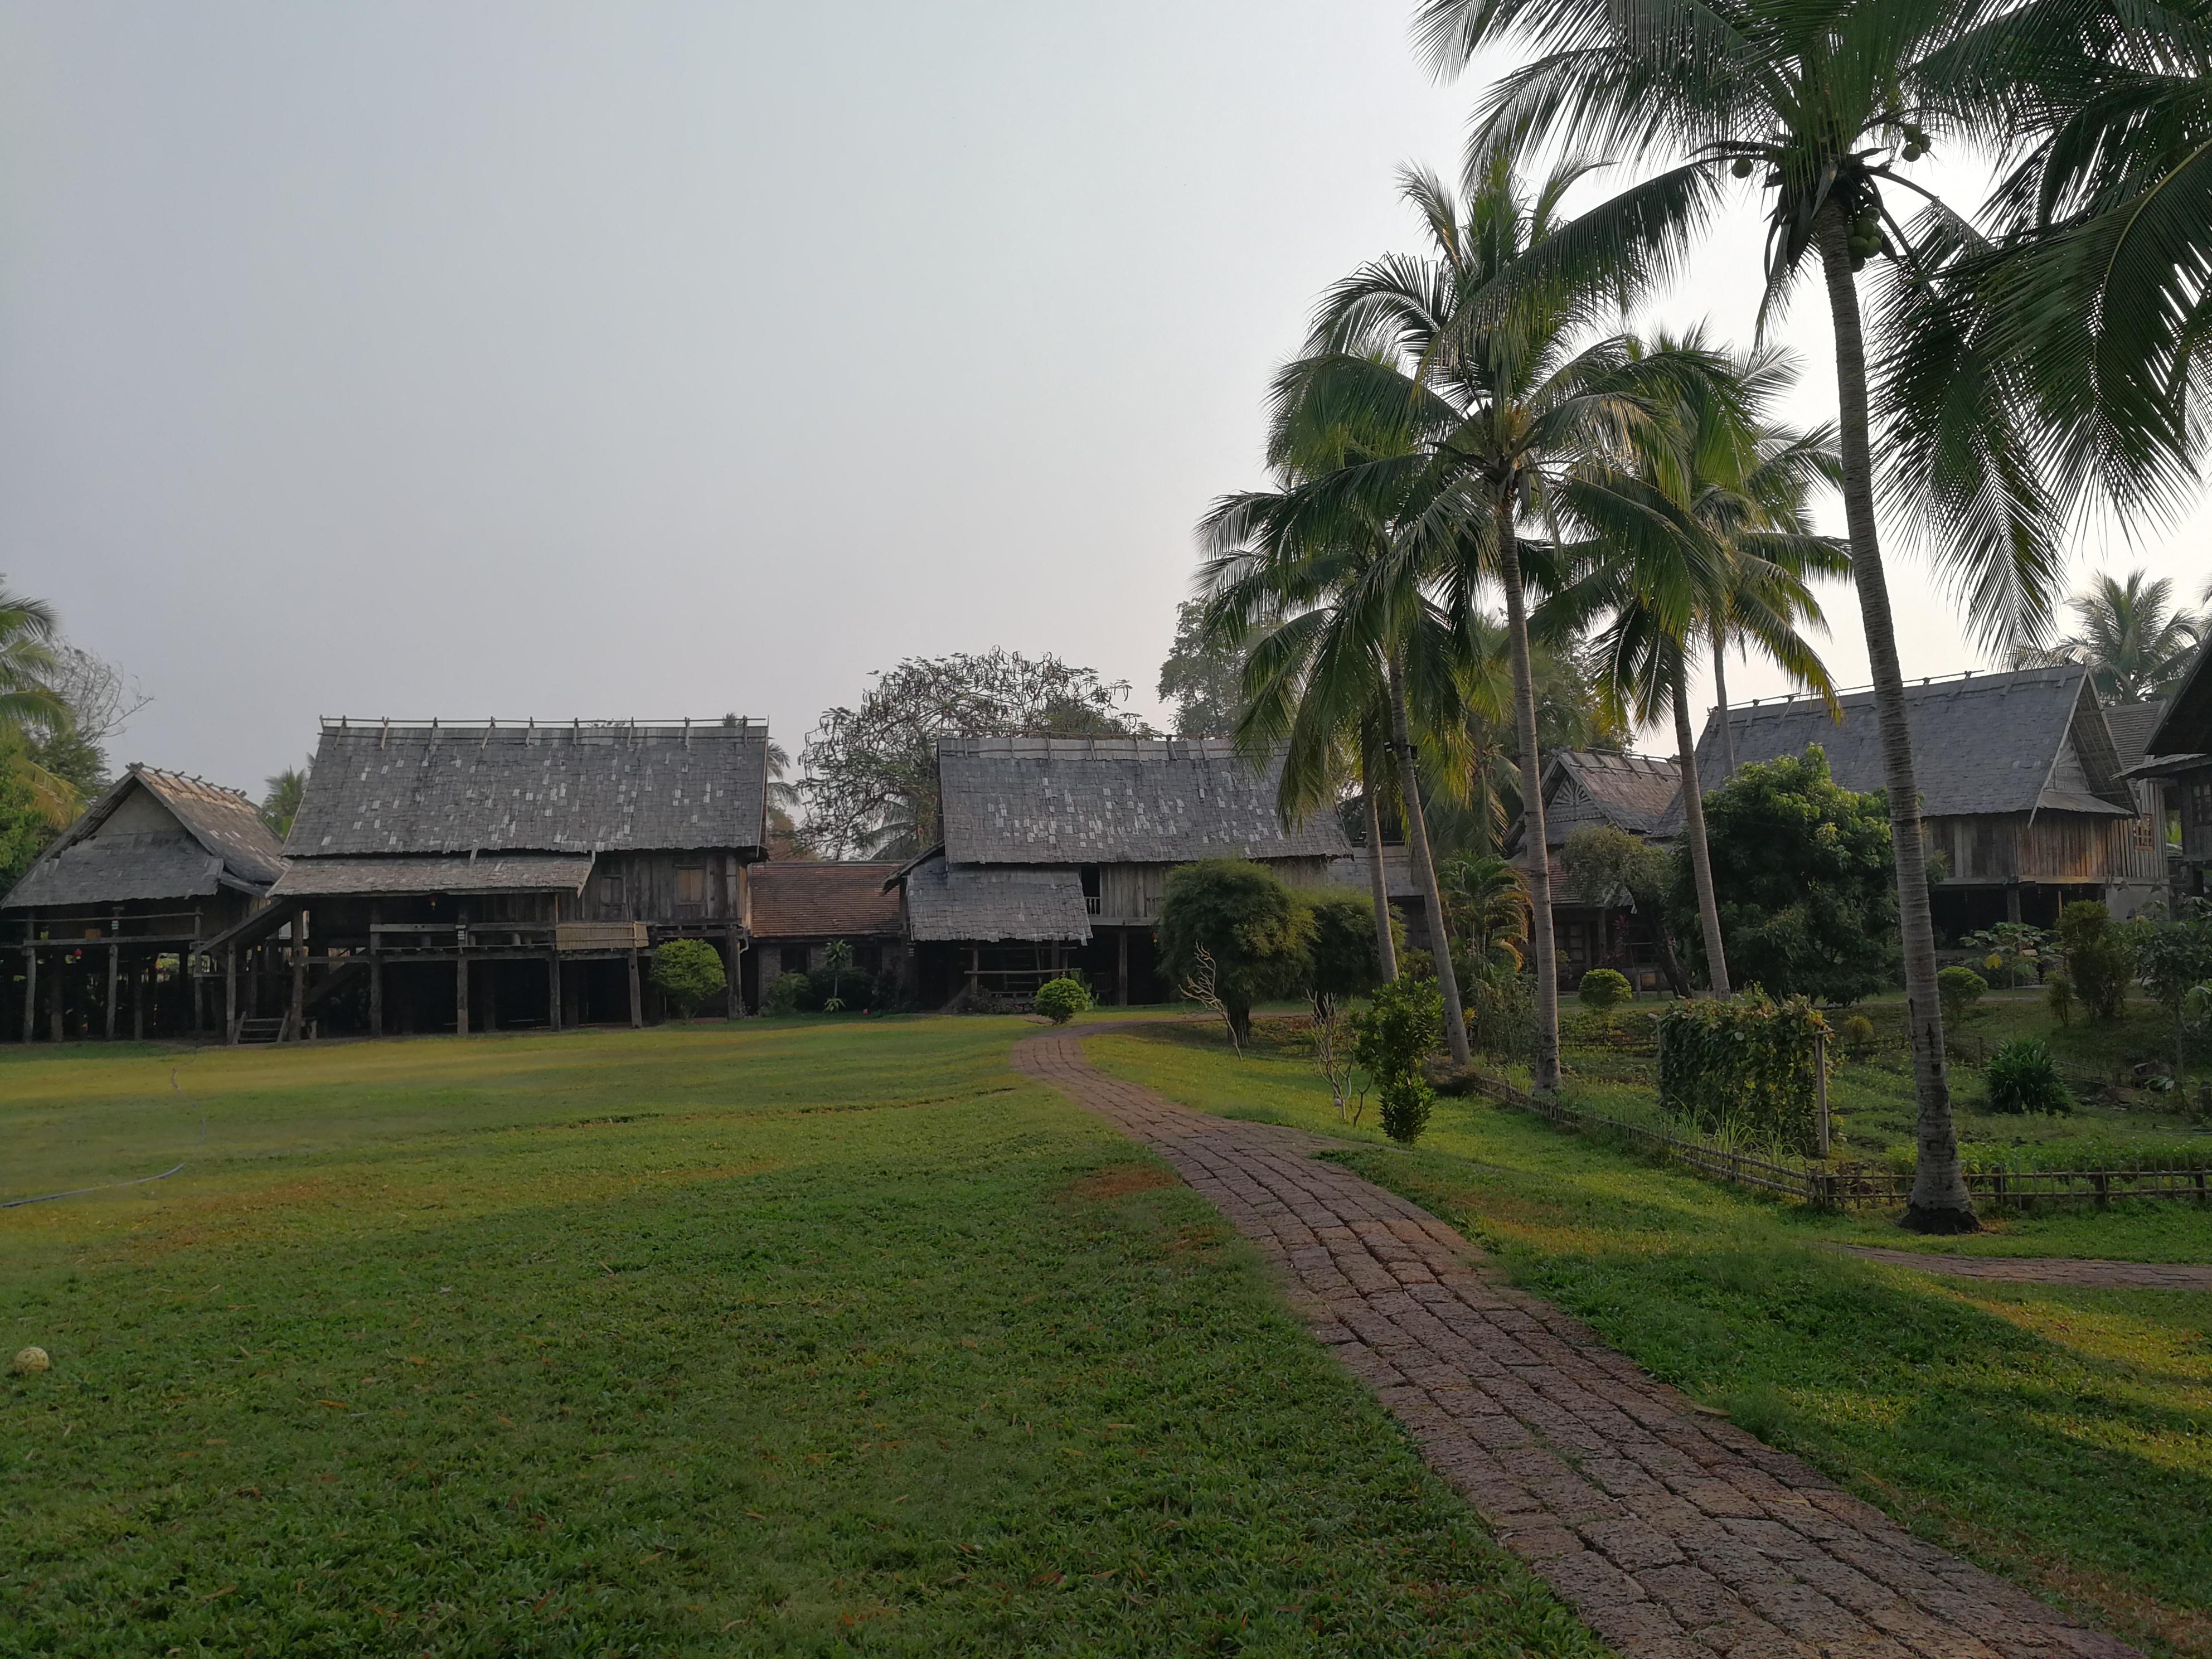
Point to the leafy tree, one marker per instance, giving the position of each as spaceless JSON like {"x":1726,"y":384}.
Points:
{"x":1342,"y":948}
{"x":30,"y":708}
{"x":1603,"y":860}
{"x":1604,"y":990}
{"x":1802,"y":867}
{"x":1391,"y":1037}
{"x":2171,"y":948}
{"x":1961,"y":988}
{"x":25,"y":824}
{"x":1232,"y":921}
{"x":1822,"y":106}
{"x":2096,"y":958}
{"x":870,"y":771}
{"x":688,"y":972}
{"x":1202,"y":677}
{"x":281,"y":794}
{"x":2137,"y":643}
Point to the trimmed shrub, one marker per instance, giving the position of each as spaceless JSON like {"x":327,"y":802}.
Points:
{"x":1958,"y":989}
{"x":2022,"y":1078}
{"x":1061,"y":999}
{"x":784,"y":995}
{"x":1745,"y":1066}
{"x":2096,"y":959}
{"x":689,"y":971}
{"x":1231,"y":934}
{"x":1341,"y":957}
{"x":1603,"y":990}
{"x":1858,"y":1034}
{"x":1391,"y":1037}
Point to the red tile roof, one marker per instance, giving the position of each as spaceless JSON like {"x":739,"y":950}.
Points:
{"x":795,"y":899}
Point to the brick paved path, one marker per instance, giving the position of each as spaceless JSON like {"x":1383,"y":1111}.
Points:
{"x":2045,"y":1270}
{"x":1675,"y":1535}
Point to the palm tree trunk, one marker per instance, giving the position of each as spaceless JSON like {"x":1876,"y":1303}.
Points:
{"x":1720,"y":700}
{"x":1545,"y":1076}
{"x":1385,"y":949}
{"x":1425,"y":868}
{"x":1940,"y":1202}
{"x":1693,"y":832}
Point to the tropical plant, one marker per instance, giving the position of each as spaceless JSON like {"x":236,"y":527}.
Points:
{"x":1802,"y":867}
{"x":1061,"y":999}
{"x":1484,"y":358}
{"x":1487,"y":909}
{"x":785,"y":993}
{"x":281,"y":794}
{"x":1341,"y":949}
{"x":1231,"y":924}
{"x":2170,"y":947}
{"x":2058,"y":997}
{"x":31,"y":708}
{"x":26,"y":827}
{"x":2137,"y":643}
{"x":688,"y":972}
{"x":2095,"y":960}
{"x":1824,"y":106}
{"x":2009,"y":951}
{"x":2022,"y":1078}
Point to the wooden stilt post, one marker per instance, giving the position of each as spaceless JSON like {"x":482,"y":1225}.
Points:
{"x":296,"y":1016}
{"x":375,"y":976}
{"x":636,"y":997}
{"x":114,"y":966}
{"x":461,"y":980}
{"x":974,"y":972}
{"x":553,"y":988}
{"x":1121,"y":968}
{"x":142,"y":988}
{"x":1820,"y":1091}
{"x":733,"y":1002}
{"x":229,"y":994}
{"x":491,"y":996}
{"x":30,"y":989}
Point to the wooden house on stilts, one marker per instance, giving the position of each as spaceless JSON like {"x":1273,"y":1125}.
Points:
{"x":474,"y":876}
{"x":107,"y":923}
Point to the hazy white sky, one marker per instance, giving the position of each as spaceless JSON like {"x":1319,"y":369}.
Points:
{"x":661,"y":358}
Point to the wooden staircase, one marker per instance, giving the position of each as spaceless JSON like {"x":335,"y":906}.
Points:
{"x":260,"y":1030}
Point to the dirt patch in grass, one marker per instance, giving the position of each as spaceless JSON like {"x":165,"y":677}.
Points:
{"x":1119,"y":1183}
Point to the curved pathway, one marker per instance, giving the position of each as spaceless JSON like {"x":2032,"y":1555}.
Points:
{"x":1674,"y":1534}
{"x":2043,"y":1270}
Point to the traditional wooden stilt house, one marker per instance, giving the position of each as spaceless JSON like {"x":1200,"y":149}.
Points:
{"x":1056,"y":851}
{"x":2021,"y":787}
{"x":800,"y":907}
{"x":110,"y":916}
{"x":1586,"y":788}
{"x":469,"y":876}
{"x":2177,"y":762}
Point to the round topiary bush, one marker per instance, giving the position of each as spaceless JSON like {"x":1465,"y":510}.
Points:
{"x":1958,"y":989}
{"x":1061,"y":999}
{"x":1858,"y":1034}
{"x":1603,"y":990}
{"x":688,"y":972}
{"x":2022,"y":1078}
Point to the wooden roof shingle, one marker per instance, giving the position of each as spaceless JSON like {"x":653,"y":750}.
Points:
{"x":585,"y":787}
{"x":1116,"y":800}
{"x":950,"y":902}
{"x":499,"y":872}
{"x":218,"y":840}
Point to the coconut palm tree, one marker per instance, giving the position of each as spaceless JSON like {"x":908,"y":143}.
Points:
{"x":2137,"y":644}
{"x":1489,"y":903}
{"x":1487,"y":350}
{"x":1824,"y":106}
{"x":30,"y":710}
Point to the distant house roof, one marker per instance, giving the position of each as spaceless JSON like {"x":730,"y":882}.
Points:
{"x":507,"y":873}
{"x":796,"y":899}
{"x":153,"y":835}
{"x":2131,"y":725}
{"x":1349,"y":869}
{"x":2030,"y":741}
{"x":1587,"y":787}
{"x":1116,"y":800}
{"x":947,"y":902}
{"x":582,"y":787}
{"x":2186,"y":728}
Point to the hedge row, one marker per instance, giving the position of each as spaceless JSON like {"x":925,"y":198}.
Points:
{"x":1746,"y":1066}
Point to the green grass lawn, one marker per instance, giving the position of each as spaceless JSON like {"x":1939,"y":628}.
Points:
{"x":2062,"y":1437}
{"x":771,"y":1338}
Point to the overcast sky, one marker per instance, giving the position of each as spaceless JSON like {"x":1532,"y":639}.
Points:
{"x":651,"y":359}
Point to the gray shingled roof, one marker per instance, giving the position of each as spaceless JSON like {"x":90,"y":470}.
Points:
{"x":507,"y":873}
{"x":220,"y":840}
{"x":1634,"y":793}
{"x":1350,"y":870}
{"x":581,"y":787}
{"x":946,"y":901}
{"x":2131,"y":725}
{"x":1116,"y":800}
{"x":1989,"y":742}
{"x":2186,"y":727}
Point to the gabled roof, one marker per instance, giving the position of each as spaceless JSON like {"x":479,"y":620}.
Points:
{"x":2034,"y":740}
{"x":947,"y":902}
{"x":1116,"y":800}
{"x":583,"y":786}
{"x":203,"y":838}
{"x":2186,"y":727}
{"x":2131,"y":725}
{"x":1583,"y":786}
{"x":796,"y":899}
